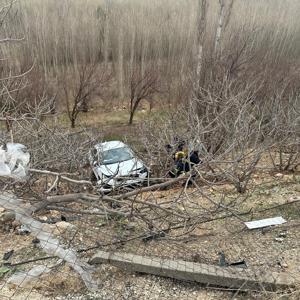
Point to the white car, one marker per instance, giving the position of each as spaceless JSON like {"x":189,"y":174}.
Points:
{"x":115,"y":165}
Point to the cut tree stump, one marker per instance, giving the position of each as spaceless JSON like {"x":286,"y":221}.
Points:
{"x":210,"y":275}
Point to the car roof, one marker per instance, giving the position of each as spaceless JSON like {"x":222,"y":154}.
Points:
{"x":110,"y":145}
{"x":14,"y":147}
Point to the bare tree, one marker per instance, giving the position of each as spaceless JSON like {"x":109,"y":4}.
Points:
{"x":284,"y":117}
{"x":142,"y":86}
{"x":80,"y":88}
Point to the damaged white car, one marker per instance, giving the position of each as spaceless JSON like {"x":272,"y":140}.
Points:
{"x":115,"y":165}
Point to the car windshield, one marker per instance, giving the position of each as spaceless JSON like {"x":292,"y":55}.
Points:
{"x":113,"y":156}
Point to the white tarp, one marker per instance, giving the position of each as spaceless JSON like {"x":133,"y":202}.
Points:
{"x":14,"y":160}
{"x":265,"y":222}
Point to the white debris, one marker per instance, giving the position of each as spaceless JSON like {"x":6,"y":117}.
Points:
{"x":265,"y":222}
{"x":24,"y":229}
{"x":14,"y":160}
{"x":279,"y":175}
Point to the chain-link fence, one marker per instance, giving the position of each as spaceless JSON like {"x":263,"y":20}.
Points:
{"x":166,"y":241}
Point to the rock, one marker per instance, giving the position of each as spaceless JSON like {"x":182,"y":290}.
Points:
{"x":58,"y":228}
{"x":278,"y":175}
{"x":279,"y":240}
{"x":35,"y":241}
{"x":15,"y":224}
{"x":7,"y":216}
{"x":8,"y":255}
{"x":129,"y":226}
{"x":288,"y":178}
{"x":63,"y":218}
{"x":283,"y":234}
{"x":2,"y":210}
{"x":284,"y":265}
{"x":63,"y":226}
{"x":294,"y":198}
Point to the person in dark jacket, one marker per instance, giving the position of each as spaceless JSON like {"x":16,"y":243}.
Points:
{"x":184,"y":162}
{"x":180,"y":159}
{"x":194,"y":158}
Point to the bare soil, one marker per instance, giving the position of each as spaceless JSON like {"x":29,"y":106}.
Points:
{"x":266,"y":250}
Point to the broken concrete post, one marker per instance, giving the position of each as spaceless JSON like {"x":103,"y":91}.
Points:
{"x":188,"y":271}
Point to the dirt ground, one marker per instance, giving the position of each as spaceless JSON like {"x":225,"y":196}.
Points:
{"x":269,"y":250}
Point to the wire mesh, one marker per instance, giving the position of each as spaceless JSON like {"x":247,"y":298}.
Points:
{"x":186,"y":245}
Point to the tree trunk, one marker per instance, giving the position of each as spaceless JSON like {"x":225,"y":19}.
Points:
{"x":106,"y":39}
{"x":120,"y":64}
{"x":73,"y":122}
{"x":219,"y":29}
{"x":133,"y":107}
{"x":131,"y":117}
{"x":202,"y":11}
{"x":84,"y":107}
{"x":132,"y":54}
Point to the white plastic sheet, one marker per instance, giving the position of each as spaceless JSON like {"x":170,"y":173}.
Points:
{"x":14,"y":160}
{"x":265,"y":223}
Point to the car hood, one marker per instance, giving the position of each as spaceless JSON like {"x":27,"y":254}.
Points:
{"x":119,"y":169}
